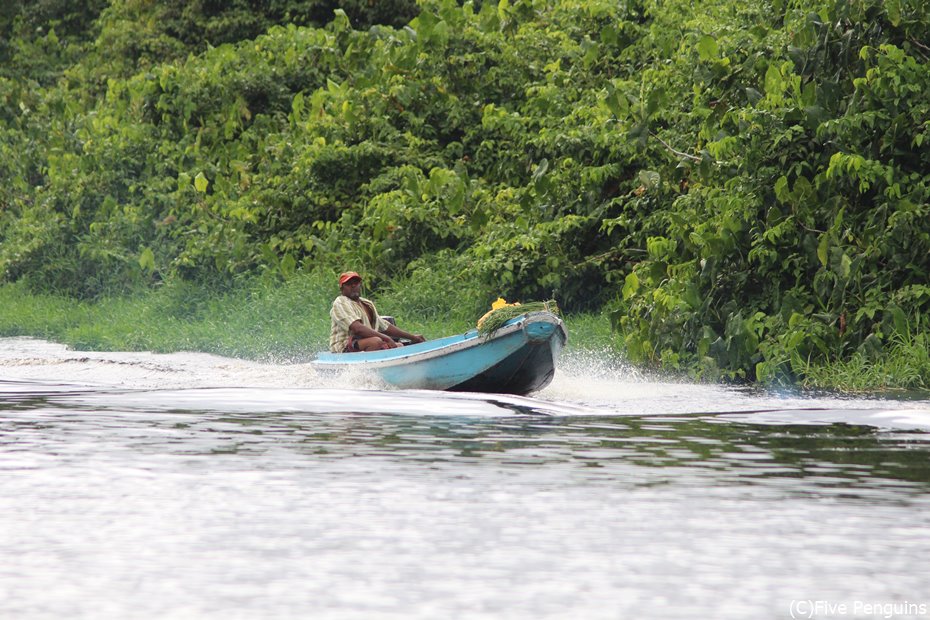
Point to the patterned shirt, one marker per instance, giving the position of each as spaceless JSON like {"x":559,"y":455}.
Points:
{"x":345,"y":312}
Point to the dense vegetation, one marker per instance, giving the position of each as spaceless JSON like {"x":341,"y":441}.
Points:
{"x":742,"y":186}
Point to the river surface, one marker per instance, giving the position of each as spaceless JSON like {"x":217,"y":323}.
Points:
{"x":187,"y":486}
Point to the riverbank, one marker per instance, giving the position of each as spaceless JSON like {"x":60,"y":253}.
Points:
{"x":271,"y":320}
{"x":260,"y":320}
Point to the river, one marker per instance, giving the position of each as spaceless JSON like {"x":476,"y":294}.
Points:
{"x":140,"y":485}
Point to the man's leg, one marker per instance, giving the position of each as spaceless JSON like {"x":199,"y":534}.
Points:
{"x":371,"y":344}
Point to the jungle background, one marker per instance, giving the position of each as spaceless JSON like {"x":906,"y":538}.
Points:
{"x":740,"y":188}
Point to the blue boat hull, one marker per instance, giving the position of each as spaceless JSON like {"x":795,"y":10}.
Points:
{"x":519,"y":358}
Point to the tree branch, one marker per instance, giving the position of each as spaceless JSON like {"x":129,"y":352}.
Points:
{"x":673,"y":150}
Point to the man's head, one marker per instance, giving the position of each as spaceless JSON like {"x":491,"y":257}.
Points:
{"x":350,"y":283}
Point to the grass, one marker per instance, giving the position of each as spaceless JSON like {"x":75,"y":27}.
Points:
{"x":263,"y":320}
{"x":904,"y":366}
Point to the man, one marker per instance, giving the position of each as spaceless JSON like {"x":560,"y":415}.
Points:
{"x":356,"y":324}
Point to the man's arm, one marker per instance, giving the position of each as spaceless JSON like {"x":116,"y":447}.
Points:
{"x":395,"y":332}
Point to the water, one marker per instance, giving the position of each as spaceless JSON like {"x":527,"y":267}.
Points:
{"x":193,"y":486}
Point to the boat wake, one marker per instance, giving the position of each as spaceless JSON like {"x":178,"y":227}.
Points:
{"x":585,"y":385}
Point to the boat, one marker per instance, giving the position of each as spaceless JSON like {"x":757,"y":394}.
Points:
{"x":517,"y":358}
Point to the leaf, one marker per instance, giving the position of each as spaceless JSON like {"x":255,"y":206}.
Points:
{"x":617,"y":103}
{"x":640,"y":132}
{"x":822,"y":248}
{"x":774,"y":85}
{"x":503,"y":7}
{"x":541,"y":169}
{"x":649,"y":179}
{"x":893,"y":9}
{"x":845,"y":263}
{"x":287,"y":266}
{"x":424,"y":25}
{"x":630,"y":285}
{"x":297,"y":106}
{"x":707,"y":48}
{"x":803,"y":190}
{"x":782,"y":193}
{"x":899,"y":320}
{"x":201,"y":183}
{"x":147,"y":260}
{"x":655,"y":101}
{"x":609,"y":35}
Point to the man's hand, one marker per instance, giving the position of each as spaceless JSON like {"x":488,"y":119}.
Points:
{"x":395,"y":332}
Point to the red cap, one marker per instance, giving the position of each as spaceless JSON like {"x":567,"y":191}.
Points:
{"x":348,"y":276}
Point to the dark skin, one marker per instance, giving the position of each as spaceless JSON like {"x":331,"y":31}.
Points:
{"x":368,"y":338}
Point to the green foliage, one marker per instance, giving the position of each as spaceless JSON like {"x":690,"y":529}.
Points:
{"x":497,"y":318}
{"x":794,"y":235}
{"x":137,"y":33}
{"x":904,"y":365}
{"x":40,"y":38}
{"x":743,"y":187}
